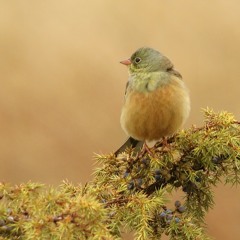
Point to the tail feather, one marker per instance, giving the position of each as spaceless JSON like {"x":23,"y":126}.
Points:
{"x":131,"y":142}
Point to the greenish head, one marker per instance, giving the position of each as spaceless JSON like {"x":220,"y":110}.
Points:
{"x":148,"y":60}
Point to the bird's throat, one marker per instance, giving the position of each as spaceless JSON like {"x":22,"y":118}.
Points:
{"x":148,"y":82}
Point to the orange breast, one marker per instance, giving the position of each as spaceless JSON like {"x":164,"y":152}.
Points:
{"x":152,"y":115}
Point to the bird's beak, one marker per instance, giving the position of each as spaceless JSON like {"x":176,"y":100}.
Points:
{"x":126,"y":62}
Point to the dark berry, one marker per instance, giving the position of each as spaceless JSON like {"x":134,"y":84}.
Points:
{"x":157,"y":172}
{"x":218,"y":159}
{"x":169,"y":216}
{"x":215,"y":160}
{"x":163,"y":215}
{"x":189,"y":187}
{"x":185,"y":188}
{"x":197,"y":166}
{"x":181,"y":209}
{"x":139,"y":182}
{"x":158,"y":178}
{"x":168,"y":211}
{"x":177,"y":184}
{"x":177,"y":220}
{"x":130,"y":185}
{"x":2,"y":222}
{"x":4,"y":228}
{"x":177,"y":204}
{"x":198,"y":179}
{"x":145,"y":162}
{"x":125,"y":174}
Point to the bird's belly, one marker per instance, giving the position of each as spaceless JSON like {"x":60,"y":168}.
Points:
{"x":152,"y":115}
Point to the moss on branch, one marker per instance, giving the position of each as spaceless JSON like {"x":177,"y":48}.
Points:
{"x":130,"y":191}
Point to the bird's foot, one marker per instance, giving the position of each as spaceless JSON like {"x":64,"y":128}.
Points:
{"x":163,"y":144}
{"x":145,"y":149}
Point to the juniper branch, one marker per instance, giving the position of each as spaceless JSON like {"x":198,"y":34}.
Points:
{"x":131,"y":191}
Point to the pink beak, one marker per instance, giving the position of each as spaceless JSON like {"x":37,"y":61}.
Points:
{"x":126,"y":62}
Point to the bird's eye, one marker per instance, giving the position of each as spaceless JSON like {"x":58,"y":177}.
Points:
{"x":138,"y":60}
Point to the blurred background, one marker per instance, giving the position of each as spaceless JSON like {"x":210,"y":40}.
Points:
{"x":62,"y":87}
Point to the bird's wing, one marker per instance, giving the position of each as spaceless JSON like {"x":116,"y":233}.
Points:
{"x":127,"y":86}
{"x":174,"y":72}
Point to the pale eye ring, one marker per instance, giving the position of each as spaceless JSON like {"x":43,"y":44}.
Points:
{"x":138,"y":60}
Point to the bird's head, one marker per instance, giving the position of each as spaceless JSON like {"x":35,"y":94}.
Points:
{"x":147,"y":60}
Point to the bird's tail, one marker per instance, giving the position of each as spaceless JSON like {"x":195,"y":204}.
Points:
{"x":130,"y":143}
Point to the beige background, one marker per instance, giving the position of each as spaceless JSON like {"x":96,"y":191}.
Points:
{"x":61,"y":84}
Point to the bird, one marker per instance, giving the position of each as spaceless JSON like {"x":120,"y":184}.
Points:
{"x":156,"y":102}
